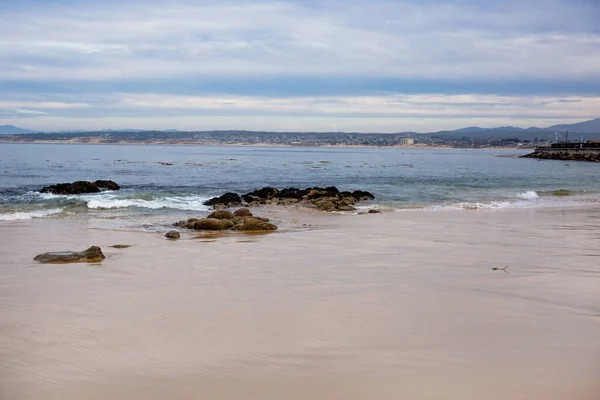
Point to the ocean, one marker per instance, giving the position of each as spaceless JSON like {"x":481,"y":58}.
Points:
{"x":162,"y":179}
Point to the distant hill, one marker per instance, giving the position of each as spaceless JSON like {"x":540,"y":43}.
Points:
{"x":592,"y":126}
{"x":12,"y":130}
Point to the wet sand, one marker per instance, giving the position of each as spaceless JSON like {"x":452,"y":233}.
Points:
{"x":399,"y":305}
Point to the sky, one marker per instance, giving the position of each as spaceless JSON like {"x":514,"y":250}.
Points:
{"x":291,"y":65}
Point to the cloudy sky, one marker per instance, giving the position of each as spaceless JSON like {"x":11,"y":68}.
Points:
{"x":351,"y":65}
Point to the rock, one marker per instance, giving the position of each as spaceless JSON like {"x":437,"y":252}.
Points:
{"x":209,"y":224}
{"x":250,"y":199}
{"x":120,"y":246}
{"x":227,"y":223}
{"x":242,"y":212}
{"x":93,"y":254}
{"x":227,"y":200}
{"x":291,"y":193}
{"x":348,"y":201}
{"x":360,"y":195}
{"x":325,"y":205}
{"x":108,"y":185}
{"x":254,"y":224}
{"x":265,"y":193}
{"x":345,"y":207}
{"x":237,"y":220}
{"x":173,"y":235}
{"x":373,"y":211}
{"x":80,"y":187}
{"x":221,"y":214}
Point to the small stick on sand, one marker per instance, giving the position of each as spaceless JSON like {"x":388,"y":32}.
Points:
{"x":500,"y":269}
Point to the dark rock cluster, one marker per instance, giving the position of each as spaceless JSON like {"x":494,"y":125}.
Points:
{"x":219,"y":220}
{"x":565,"y":155}
{"x":325,"y":199}
{"x":80,"y":187}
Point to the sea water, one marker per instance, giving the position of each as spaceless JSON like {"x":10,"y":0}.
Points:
{"x":159,"y":179}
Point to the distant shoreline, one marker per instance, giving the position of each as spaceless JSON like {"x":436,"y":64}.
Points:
{"x":214,"y":144}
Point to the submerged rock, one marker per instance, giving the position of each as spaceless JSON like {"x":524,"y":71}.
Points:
{"x":92,"y":254}
{"x":172,"y":235}
{"x":80,"y":187}
{"x":120,"y":246}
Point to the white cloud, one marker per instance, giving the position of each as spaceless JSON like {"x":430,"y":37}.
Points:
{"x":409,"y":39}
{"x":383,"y":113}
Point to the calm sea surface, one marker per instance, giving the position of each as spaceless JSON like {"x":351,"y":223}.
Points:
{"x":426,"y":179}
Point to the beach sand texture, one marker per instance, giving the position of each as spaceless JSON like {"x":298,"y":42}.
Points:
{"x":400,"y":305}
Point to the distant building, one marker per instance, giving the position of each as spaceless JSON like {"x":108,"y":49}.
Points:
{"x":407,"y":141}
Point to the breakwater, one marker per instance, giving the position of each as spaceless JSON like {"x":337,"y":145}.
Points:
{"x":591,"y":154}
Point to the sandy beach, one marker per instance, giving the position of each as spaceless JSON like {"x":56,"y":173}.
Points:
{"x":388,"y":306}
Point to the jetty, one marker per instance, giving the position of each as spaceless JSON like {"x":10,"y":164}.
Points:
{"x":571,"y":151}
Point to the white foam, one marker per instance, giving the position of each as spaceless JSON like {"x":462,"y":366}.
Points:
{"x":29,"y":214}
{"x":192,"y":203}
{"x":528,"y":195}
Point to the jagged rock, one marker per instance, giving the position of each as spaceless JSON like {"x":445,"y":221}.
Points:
{"x":92,"y":254}
{"x":108,"y":185}
{"x":225,"y":201}
{"x":360,"y":195}
{"x":80,"y":187}
{"x":172,"y":235}
{"x":221,"y":214}
{"x":325,"y":205}
{"x":254,"y":224}
{"x":265,"y":193}
{"x":348,"y":201}
{"x":291,"y":193}
{"x":242,"y":212}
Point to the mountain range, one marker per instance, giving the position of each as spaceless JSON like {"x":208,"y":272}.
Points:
{"x":586,"y":127}
{"x":591,"y":126}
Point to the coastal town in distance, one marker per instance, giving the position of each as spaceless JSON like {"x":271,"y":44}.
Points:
{"x":472,"y":137}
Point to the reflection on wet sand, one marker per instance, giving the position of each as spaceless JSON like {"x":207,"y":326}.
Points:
{"x":385,"y":306}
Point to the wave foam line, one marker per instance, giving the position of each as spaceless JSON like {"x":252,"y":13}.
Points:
{"x":24,"y":215}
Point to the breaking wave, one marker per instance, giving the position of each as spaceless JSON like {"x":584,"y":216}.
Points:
{"x":23,"y":215}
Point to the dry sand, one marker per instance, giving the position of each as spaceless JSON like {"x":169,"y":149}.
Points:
{"x":400,"y":305}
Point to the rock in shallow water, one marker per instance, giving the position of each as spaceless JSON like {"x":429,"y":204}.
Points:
{"x":225,"y":201}
{"x":173,"y":235}
{"x":80,"y":187}
{"x":93,"y":254}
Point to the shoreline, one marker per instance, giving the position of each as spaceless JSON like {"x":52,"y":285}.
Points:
{"x":216,"y":144}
